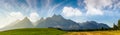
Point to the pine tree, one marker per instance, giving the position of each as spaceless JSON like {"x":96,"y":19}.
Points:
{"x":119,"y":24}
{"x":102,"y":28}
{"x":115,"y":26}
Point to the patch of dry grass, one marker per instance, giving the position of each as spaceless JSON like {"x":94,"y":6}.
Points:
{"x":117,"y":32}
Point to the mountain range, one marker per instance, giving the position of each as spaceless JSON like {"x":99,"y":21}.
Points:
{"x":25,"y":23}
{"x":56,"y":21}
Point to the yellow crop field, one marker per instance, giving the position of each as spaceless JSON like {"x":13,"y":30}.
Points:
{"x":116,"y":32}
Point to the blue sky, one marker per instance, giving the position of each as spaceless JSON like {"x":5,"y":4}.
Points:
{"x":102,"y":11}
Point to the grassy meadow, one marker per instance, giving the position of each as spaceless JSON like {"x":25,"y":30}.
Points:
{"x":52,"y":31}
{"x":33,"y":31}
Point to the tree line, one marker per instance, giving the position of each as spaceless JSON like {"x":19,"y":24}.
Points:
{"x":116,"y":27}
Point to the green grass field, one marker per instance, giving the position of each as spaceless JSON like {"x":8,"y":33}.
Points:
{"x":33,"y":31}
{"x":51,"y":31}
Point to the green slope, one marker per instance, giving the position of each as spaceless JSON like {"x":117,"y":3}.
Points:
{"x":33,"y":31}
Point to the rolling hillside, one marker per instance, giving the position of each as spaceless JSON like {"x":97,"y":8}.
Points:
{"x":33,"y":31}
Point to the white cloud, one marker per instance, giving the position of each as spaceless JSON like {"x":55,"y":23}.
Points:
{"x":17,"y":15}
{"x":70,"y":12}
{"x":93,"y":11}
{"x":94,"y":6}
{"x":34,"y":16}
{"x":11,"y":17}
{"x":98,"y":3}
{"x":116,"y":4}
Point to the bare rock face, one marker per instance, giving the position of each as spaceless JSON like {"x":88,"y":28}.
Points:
{"x":57,"y":21}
